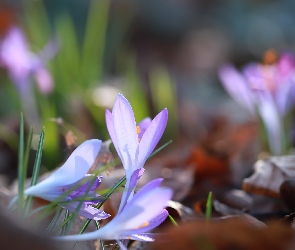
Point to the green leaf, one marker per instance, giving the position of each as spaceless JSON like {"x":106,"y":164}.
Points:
{"x":94,"y":40}
{"x":36,"y":23}
{"x":55,"y":219}
{"x":136,"y":91}
{"x":36,"y":170}
{"x":64,"y":228}
{"x":21,"y":173}
{"x":209,"y":207}
{"x":164,"y":95}
{"x":27,"y":154}
{"x":172,"y":220}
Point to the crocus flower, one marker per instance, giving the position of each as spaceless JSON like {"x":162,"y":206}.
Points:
{"x":144,"y":212}
{"x":22,"y":64}
{"x":134,"y":144}
{"x":266,"y":89}
{"x":72,"y":181}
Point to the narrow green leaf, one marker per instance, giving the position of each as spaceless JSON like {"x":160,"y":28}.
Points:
{"x":36,"y":23}
{"x":21,"y":164}
{"x":136,"y":93}
{"x":209,"y":207}
{"x":63,"y":230}
{"x":101,"y":241}
{"x":172,"y":220}
{"x":163,"y":91}
{"x":160,"y":149}
{"x":27,"y":154}
{"x":36,"y":170}
{"x":94,"y":40}
{"x":37,"y":163}
{"x":55,"y":219}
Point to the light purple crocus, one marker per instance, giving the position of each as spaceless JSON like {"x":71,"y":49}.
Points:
{"x":266,"y":89}
{"x":22,"y":64}
{"x":145,"y":211}
{"x":72,"y":180}
{"x":134,"y":144}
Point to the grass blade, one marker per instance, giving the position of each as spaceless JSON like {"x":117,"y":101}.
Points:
{"x":64,"y":228}
{"x":37,"y":163}
{"x":36,"y":170}
{"x":21,"y":164}
{"x":27,"y":153}
{"x":55,"y":219}
{"x":159,"y":149}
{"x":209,"y":207}
{"x":172,"y":220}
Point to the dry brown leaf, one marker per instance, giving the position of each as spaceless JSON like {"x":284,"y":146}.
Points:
{"x":207,"y":164}
{"x":228,"y":234}
{"x":70,"y":139}
{"x":269,"y":174}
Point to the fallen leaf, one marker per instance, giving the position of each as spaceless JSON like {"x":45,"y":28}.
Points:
{"x":70,"y":139}
{"x":269,"y":174}
{"x":227,"y":234}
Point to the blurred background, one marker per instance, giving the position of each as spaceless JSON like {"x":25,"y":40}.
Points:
{"x":157,"y":53}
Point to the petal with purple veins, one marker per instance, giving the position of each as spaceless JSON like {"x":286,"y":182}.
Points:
{"x":110,"y":126}
{"x":125,"y":132}
{"x":152,"y":136}
{"x":87,"y":211}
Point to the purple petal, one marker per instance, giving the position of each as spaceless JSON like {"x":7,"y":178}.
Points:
{"x":110,"y":127}
{"x":150,"y":186}
{"x":152,"y":136}
{"x":129,"y":187}
{"x":74,"y":169}
{"x":141,"y":237}
{"x":125,"y":133}
{"x":272,"y":122}
{"x":235,"y":85}
{"x":87,"y":211}
{"x":44,"y":80}
{"x":79,"y":162}
{"x":285,"y":64}
{"x":49,"y":51}
{"x":151,"y":224}
{"x":283,"y":96}
{"x":84,"y":187}
{"x":145,"y":206}
{"x":80,"y":190}
{"x":15,"y":56}
{"x":143,"y":125}
{"x":142,"y":208}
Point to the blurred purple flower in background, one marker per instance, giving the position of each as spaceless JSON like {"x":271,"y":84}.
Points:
{"x":22,"y":64}
{"x":267,"y":89}
{"x":134,"y":144}
{"x":69,"y":178}
{"x":145,"y":211}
